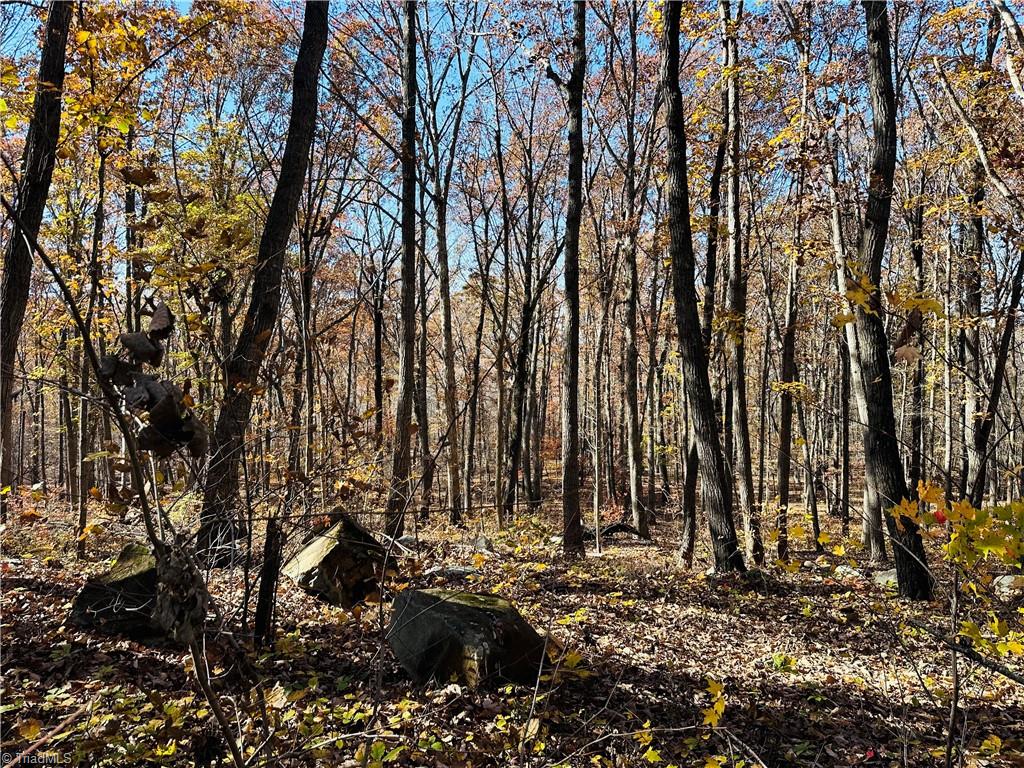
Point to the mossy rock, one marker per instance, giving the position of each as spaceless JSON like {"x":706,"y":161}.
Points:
{"x":437,"y":634}
{"x":341,"y":566}
{"x":121,"y":601}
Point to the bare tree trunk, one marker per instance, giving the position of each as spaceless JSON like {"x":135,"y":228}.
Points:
{"x":29,"y":204}
{"x":873,"y":535}
{"x":597,"y":453}
{"x":420,"y":404}
{"x":451,"y":406}
{"x":844,"y":443}
{"x":87,"y":476}
{"x":572,"y":526}
{"x":737,"y":295}
{"x":401,"y":487}
{"x":881,"y":449}
{"x":917,"y":387}
{"x":474,"y":384}
{"x":220,"y":527}
{"x":717,"y":492}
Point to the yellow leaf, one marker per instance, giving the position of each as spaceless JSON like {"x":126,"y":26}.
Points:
{"x":652,"y":755}
{"x":715,"y":688}
{"x":167,"y":751}
{"x":29,"y":729}
{"x":991,"y":745}
{"x":824,"y":538}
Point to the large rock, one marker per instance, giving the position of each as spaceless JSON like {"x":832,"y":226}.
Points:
{"x":123,"y":599}
{"x":437,"y":633}
{"x":341,"y":566}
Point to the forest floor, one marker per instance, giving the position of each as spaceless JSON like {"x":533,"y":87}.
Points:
{"x":814,"y":667}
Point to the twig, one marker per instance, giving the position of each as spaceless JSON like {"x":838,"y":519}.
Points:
{"x":973,"y":655}
{"x":733,"y":738}
{"x":211,"y":698}
{"x":51,"y":735}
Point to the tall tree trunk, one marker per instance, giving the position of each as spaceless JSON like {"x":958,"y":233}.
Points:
{"x":634,"y":457}
{"x":873,"y":535}
{"x":983,"y":430}
{"x":220,"y":527}
{"x":401,"y":488}
{"x":572,"y":526}
{"x":917,"y":386}
{"x":737,"y":292}
{"x":844,"y":442}
{"x":596,"y":452}
{"x":87,"y":477}
{"x":451,"y":401}
{"x":474,"y":384}
{"x":975,"y":439}
{"x":30,"y":201}
{"x":420,"y":397}
{"x":693,"y":356}
{"x":882,"y":455}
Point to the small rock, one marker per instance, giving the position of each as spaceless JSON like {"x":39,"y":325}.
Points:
{"x":483,"y":544}
{"x":452,"y":571}
{"x":844,"y":571}
{"x":437,"y":633}
{"x":1008,"y":586}
{"x":885,"y":578}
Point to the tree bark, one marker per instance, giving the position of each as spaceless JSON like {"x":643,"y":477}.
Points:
{"x":220,"y":527}
{"x":737,"y":295}
{"x":401,"y":488}
{"x":30,"y":201}
{"x":882,"y":455}
{"x":717,"y":490}
{"x":572,"y":526}
{"x":420,"y":397}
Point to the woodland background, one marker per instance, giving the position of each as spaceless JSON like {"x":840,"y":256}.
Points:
{"x":724,"y":296}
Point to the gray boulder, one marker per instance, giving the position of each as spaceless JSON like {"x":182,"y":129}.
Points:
{"x":122,"y":600}
{"x":437,"y":633}
{"x":341,"y":566}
